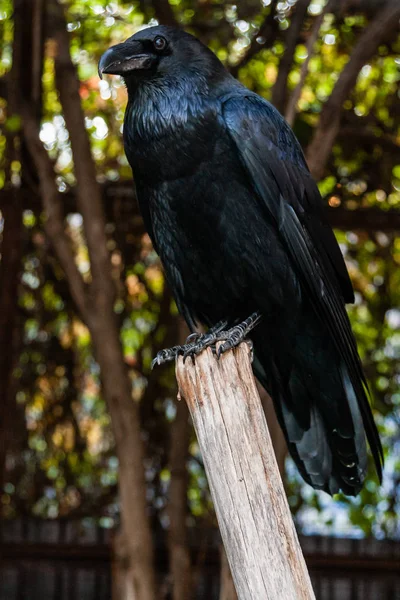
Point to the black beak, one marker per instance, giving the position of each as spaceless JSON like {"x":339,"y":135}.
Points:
{"x":125,"y":57}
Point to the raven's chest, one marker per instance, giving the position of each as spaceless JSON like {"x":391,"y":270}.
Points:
{"x":197,"y":222}
{"x":167,"y":139}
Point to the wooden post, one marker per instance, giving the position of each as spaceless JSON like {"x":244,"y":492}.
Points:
{"x":250,"y":502}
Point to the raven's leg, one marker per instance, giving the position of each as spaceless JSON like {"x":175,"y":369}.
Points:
{"x":236,"y":335}
{"x":196,"y":337}
{"x":195,"y":343}
{"x":230,"y":338}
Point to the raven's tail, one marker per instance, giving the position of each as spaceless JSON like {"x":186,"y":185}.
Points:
{"x":324,"y":420}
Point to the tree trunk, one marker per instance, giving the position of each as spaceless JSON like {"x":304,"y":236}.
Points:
{"x":178,"y":548}
{"x":179,"y":555}
{"x":250,"y":502}
{"x":226,"y":586}
{"x":103,"y":327}
{"x":11,"y":251}
{"x":138,"y":545}
{"x":96,"y":305}
{"x":26,"y":81}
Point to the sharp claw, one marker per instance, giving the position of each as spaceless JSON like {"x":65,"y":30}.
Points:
{"x":197,"y":342}
{"x":193,"y":337}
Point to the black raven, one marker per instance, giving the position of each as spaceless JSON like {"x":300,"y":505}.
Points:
{"x":237,"y":220}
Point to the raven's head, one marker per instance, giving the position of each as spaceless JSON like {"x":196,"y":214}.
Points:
{"x":158,"y":53}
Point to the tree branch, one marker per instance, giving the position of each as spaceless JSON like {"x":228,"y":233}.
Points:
{"x":368,"y":137}
{"x":290,"y":112}
{"x":279,"y":90}
{"x":164,"y":13}
{"x":369,"y":7}
{"x":53,"y":208}
{"x":268,"y":32}
{"x":341,"y":218}
{"x":88,"y":189}
{"x":368,"y":219}
{"x":384,"y":23}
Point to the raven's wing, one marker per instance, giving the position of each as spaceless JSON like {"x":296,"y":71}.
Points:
{"x":274,"y":162}
{"x":269,"y":148}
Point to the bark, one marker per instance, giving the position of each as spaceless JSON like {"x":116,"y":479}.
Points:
{"x":21,"y":81}
{"x":53,"y":210}
{"x":227,"y":587}
{"x":11,"y":252}
{"x":138,"y":556}
{"x":253,"y":515}
{"x":96,"y":304}
{"x":290,"y":112}
{"x":383,"y":25}
{"x":279,"y":91}
{"x":178,"y":547}
{"x":99,"y":316}
{"x":179,"y":555}
{"x":104,"y":331}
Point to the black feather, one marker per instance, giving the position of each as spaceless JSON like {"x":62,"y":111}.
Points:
{"x":237,"y":220}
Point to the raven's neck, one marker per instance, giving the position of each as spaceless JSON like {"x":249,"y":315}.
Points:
{"x":157,"y":108}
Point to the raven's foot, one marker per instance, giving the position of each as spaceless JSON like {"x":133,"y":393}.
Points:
{"x":235,"y":336}
{"x":196,"y":337}
{"x":196,"y":342}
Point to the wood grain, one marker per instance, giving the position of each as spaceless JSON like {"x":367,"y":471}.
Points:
{"x":253,"y":514}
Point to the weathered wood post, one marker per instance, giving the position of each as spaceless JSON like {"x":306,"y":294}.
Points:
{"x":253,"y":514}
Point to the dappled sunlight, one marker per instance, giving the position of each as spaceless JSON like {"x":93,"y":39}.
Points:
{"x":62,"y":456}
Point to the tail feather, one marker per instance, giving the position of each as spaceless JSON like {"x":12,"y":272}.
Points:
{"x":323,"y":418}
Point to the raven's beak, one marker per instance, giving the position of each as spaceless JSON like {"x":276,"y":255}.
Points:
{"x":123,"y":58}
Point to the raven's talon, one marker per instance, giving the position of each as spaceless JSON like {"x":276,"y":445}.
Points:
{"x":228,"y":345}
{"x":235,"y":336}
{"x":189,"y":353}
{"x":167,"y":355}
{"x":193,"y":337}
{"x":197,"y":342}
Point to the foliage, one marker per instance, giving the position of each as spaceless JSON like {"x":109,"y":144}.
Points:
{"x":63,"y":462}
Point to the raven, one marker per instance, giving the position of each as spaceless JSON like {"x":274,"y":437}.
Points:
{"x":237,"y":220}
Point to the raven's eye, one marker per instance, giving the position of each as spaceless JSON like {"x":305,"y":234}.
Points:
{"x":160,"y":43}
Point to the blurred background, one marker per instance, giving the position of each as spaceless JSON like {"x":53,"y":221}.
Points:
{"x":102,"y":487}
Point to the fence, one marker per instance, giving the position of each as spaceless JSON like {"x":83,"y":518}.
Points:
{"x":69,"y":560}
